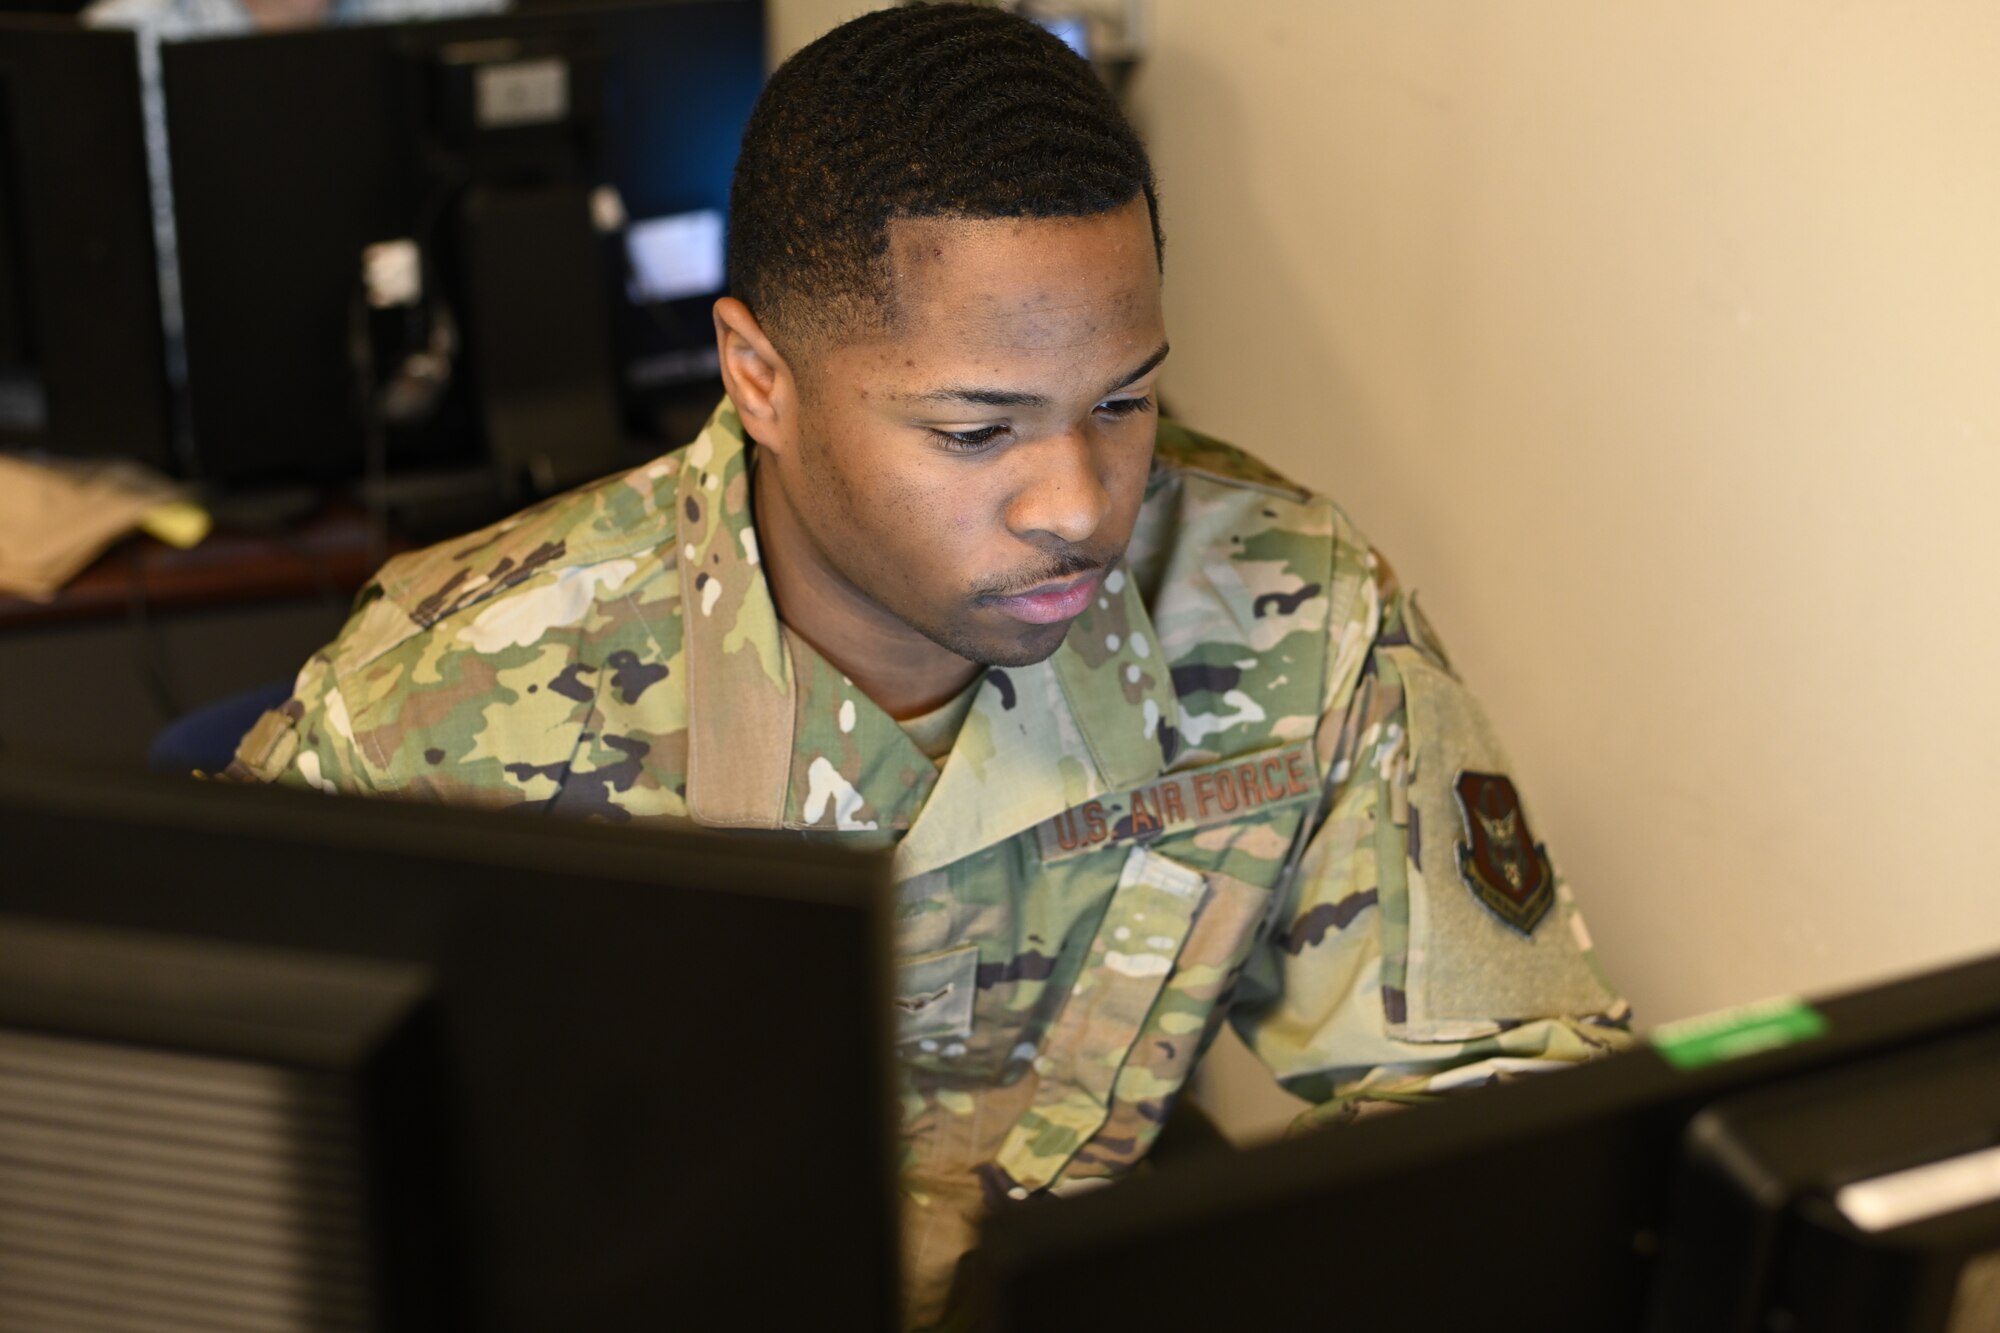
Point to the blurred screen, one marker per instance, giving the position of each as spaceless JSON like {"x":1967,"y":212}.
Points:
{"x":676,"y":256}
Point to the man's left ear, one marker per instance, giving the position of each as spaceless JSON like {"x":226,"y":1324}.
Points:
{"x":757,"y":378}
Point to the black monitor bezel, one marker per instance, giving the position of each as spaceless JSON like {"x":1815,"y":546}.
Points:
{"x":110,"y":852}
{"x":1534,"y":1206}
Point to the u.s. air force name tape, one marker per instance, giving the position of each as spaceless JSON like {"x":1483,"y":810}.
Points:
{"x":1175,"y":802}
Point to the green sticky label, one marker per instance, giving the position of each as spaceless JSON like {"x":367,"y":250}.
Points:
{"x":1691,"y":1043}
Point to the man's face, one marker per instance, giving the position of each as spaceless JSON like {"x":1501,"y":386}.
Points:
{"x":972,"y":472}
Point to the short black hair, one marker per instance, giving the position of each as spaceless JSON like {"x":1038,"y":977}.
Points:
{"x":945,"y":110}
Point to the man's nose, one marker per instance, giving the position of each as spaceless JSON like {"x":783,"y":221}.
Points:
{"x":1060,"y":495}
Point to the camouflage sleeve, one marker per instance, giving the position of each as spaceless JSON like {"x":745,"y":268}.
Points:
{"x":1426,"y":942}
{"x":308,"y":740}
{"x":541,"y":692}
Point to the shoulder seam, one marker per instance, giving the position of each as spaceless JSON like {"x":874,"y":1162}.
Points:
{"x":1296,"y":494}
{"x":399,"y":585}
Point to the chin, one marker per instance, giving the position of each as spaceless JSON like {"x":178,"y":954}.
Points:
{"x":1038,"y":645}
{"x":1029,"y":645}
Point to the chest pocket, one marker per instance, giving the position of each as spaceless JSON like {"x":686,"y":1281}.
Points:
{"x":934,"y":995}
{"x":1138,"y":945}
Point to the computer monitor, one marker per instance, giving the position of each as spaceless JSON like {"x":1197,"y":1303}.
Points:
{"x":1864,"y":1199}
{"x":1822,"y":1168}
{"x":82,"y":360}
{"x":272,"y":1060}
{"x":536,"y":201}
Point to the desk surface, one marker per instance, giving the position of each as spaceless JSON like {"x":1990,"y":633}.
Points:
{"x":331,"y":554}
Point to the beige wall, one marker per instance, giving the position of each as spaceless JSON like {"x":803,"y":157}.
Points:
{"x":1659,"y":344}
{"x":792,"y":23}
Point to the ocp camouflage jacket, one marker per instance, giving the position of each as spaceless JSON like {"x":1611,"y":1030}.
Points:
{"x":1248,"y":787}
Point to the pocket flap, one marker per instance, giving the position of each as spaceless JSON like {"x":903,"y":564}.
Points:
{"x":934,"y":994}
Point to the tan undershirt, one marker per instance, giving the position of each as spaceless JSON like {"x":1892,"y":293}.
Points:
{"x":936,"y":732}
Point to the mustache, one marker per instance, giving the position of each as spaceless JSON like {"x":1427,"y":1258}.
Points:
{"x":1065,"y":566}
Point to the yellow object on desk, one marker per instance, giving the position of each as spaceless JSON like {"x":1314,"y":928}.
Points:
{"x":178,"y":523}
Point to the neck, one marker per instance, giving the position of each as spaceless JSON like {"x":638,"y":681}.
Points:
{"x":906,"y":674}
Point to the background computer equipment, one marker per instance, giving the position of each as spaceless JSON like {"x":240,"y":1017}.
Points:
{"x":82,"y":362}
{"x":455,"y":243}
{"x":277,"y":1060}
{"x":1572,"y":1202}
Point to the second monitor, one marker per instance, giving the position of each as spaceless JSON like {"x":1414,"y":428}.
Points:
{"x":82,"y":368}
{"x":406,"y":246}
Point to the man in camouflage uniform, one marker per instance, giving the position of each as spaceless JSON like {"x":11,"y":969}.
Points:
{"x":1156,"y":738}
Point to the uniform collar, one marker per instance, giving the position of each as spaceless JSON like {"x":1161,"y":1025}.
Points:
{"x":739,"y":671}
{"x":777,"y":738}
{"x":1098,"y":716}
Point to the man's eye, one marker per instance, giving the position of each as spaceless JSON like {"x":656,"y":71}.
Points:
{"x":1125,"y":407}
{"x":968,"y":441}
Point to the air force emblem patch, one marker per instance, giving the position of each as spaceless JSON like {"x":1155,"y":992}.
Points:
{"x":1500,"y":860}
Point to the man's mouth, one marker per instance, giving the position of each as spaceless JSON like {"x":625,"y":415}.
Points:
{"x":1052,"y":602}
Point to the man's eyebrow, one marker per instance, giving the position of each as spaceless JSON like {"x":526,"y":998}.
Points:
{"x":1144,"y":367}
{"x":983,"y":397}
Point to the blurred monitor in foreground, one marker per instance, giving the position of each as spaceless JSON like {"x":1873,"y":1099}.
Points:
{"x":1831,"y":1167}
{"x":273,"y":1061}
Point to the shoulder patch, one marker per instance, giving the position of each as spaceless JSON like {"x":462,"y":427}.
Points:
{"x":1500,"y":861}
